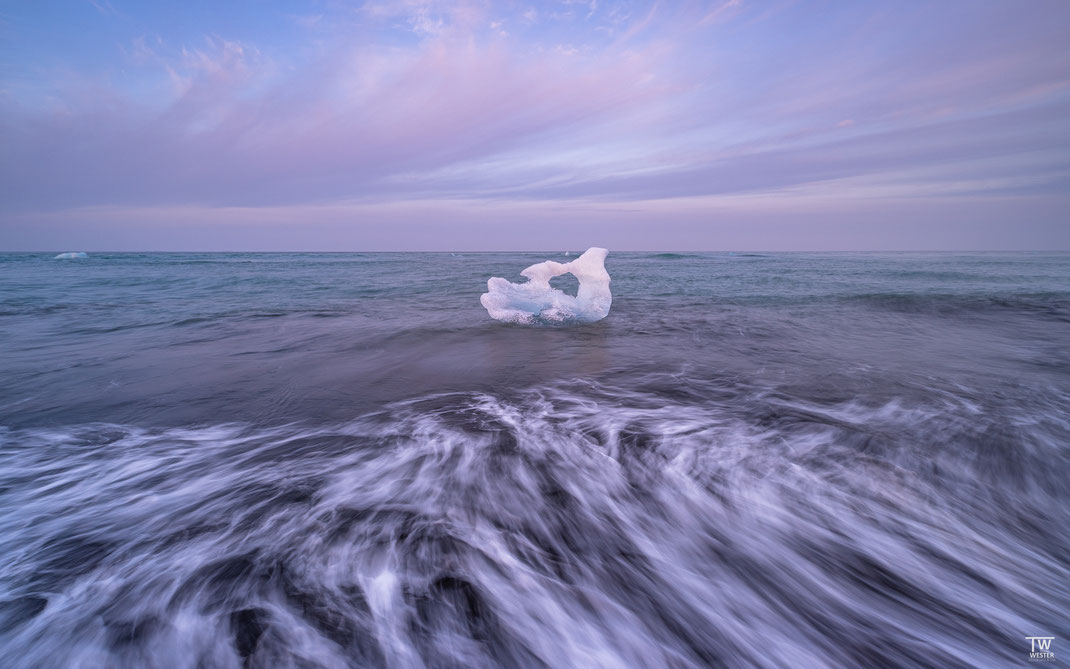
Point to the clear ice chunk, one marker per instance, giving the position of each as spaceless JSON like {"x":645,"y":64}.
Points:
{"x":536,"y":300}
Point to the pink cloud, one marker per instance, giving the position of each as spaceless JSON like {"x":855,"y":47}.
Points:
{"x":235,"y":130}
{"x":641,"y":104}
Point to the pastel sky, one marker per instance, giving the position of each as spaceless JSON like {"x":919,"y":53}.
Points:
{"x":426,"y":125}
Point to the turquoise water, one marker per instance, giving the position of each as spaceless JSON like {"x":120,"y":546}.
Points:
{"x":340,"y":460}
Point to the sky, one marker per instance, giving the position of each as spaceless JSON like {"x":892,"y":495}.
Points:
{"x":467,"y":125}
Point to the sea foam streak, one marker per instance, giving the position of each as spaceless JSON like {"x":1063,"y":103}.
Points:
{"x":538,"y":300}
{"x":572,"y":524}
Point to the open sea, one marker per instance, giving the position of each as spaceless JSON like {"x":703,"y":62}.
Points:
{"x":339,"y":460}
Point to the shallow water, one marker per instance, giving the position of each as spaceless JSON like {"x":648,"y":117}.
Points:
{"x":330,"y":460}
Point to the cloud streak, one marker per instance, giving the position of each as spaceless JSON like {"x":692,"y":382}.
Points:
{"x":416,"y":101}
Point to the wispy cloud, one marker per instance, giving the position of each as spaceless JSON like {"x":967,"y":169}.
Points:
{"x":605,"y":103}
{"x":104,"y":7}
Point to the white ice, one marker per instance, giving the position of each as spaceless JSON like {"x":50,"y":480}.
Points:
{"x":536,"y":299}
{"x":71,"y":255}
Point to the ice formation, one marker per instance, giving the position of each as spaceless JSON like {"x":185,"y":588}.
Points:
{"x":536,"y":299}
{"x":71,"y":255}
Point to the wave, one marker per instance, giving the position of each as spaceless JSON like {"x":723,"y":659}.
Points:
{"x":1055,"y":305}
{"x":674,"y":256}
{"x":680,"y":256}
{"x":670,"y":522}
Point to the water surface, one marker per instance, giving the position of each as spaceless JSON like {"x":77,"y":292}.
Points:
{"x":331,"y":460}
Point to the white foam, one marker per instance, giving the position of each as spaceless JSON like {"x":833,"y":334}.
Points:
{"x":538,"y":300}
{"x":71,"y":255}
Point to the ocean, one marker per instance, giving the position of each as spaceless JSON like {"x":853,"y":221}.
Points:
{"x":339,"y":460}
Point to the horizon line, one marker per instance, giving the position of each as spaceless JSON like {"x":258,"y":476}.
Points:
{"x":666,"y":251}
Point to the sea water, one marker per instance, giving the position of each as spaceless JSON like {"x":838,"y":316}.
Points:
{"x":334,"y":460}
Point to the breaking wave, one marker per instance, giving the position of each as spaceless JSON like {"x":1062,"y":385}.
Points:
{"x":673,"y":522}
